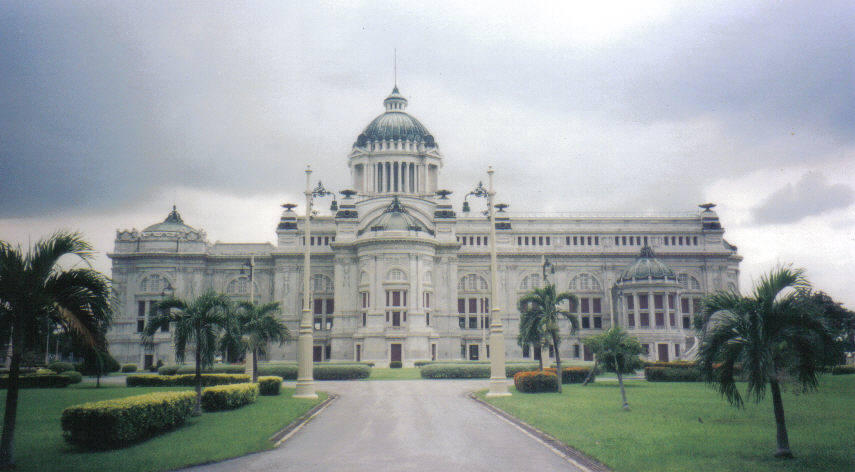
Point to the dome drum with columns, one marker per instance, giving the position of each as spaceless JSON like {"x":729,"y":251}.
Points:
{"x":399,"y":275}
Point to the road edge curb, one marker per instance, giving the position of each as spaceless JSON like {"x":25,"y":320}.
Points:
{"x":285,"y":433}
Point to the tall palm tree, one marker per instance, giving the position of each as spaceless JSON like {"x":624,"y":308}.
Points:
{"x":531,"y":333}
{"x":618,"y":352}
{"x":259,"y":325}
{"x":35,"y":292}
{"x":772,"y":336}
{"x":196,"y":322}
{"x":541,"y":308}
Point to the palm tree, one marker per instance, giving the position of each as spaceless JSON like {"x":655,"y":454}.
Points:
{"x":35,"y":292}
{"x":618,"y":352}
{"x":259,"y":325}
{"x":771,"y":336}
{"x":197,"y":322}
{"x":531,"y":333}
{"x":540,"y":311}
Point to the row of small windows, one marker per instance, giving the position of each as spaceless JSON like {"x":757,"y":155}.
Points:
{"x":582,"y":240}
{"x":472,"y":240}
{"x":319,"y":240}
{"x":534,"y":241}
{"x":630,"y":240}
{"x":681,"y":240}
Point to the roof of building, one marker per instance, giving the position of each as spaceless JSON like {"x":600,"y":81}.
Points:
{"x":395,"y":124}
{"x":647,"y":267}
{"x":173,"y":223}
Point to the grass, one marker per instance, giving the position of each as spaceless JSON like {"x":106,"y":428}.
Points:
{"x":688,"y":426}
{"x":404,"y":373}
{"x":211,"y":437}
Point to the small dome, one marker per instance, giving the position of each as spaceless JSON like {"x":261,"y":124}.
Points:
{"x":395,"y":125}
{"x":647,"y":267}
{"x":172,"y":224}
{"x":396,"y":218}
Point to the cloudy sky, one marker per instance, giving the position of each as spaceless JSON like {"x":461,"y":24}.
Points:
{"x":112,"y":111}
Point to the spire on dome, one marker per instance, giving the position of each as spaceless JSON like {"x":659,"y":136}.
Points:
{"x":395,"y":101}
{"x":173,"y":216}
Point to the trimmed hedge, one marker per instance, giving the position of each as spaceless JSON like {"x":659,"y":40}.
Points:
{"x":340,"y":372}
{"x":286,"y":371}
{"x":536,"y":381}
{"x":843,"y":370}
{"x":455,"y":371}
{"x":74,"y":376}
{"x":191,"y":369}
{"x":128,"y":368}
{"x":38,"y":381}
{"x":60,"y":367}
{"x":269,"y":385}
{"x":573,"y":374}
{"x":116,"y":423}
{"x":672,"y":374}
{"x":513,"y":369}
{"x":395,"y":365}
{"x":672,"y":364}
{"x":152,"y":380}
{"x":229,"y":397}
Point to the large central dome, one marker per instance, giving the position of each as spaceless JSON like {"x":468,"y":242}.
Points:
{"x":395,"y":124}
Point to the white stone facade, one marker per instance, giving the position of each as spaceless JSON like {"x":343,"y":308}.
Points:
{"x":398,"y":274}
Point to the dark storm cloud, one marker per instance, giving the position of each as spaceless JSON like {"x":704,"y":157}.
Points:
{"x":105,"y":104}
{"x":812,"y":195}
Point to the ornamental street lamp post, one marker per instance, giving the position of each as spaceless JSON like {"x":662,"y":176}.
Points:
{"x":305,"y":382}
{"x":498,"y":379}
{"x":249,"y":357}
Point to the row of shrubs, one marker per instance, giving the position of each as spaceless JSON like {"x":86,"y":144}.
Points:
{"x":109,"y":424}
{"x":468,"y":371}
{"x":286,"y":370}
{"x":229,"y":397}
{"x":187,"y":380}
{"x":536,"y":381}
{"x":43,"y":380}
{"x":843,"y":370}
{"x":672,"y":374}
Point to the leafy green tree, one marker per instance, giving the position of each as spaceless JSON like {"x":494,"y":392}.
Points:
{"x":618,"y":352}
{"x":540,"y":312}
{"x":259,"y":325}
{"x":196,"y":322}
{"x":841,"y":322}
{"x":772,"y":336}
{"x":35,"y":293}
{"x":97,"y":362}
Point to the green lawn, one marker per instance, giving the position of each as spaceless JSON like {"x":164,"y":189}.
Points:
{"x":405,"y":373}
{"x":211,"y":437}
{"x":688,"y":426}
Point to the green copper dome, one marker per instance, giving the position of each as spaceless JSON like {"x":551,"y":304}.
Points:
{"x":395,"y":125}
{"x":172,"y":224}
{"x":647,"y":267}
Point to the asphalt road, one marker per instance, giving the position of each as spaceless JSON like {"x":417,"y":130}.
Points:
{"x":403,"y":425}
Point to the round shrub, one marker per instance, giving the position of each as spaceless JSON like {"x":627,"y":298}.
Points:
{"x":229,"y":397}
{"x":269,"y":385}
{"x":98,"y":363}
{"x":128,"y":368}
{"x":536,"y":381}
{"x":167,"y":370}
{"x":41,"y":371}
{"x":74,"y":376}
{"x":60,"y":367}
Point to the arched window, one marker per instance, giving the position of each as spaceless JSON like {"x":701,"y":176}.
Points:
{"x":155,"y":283}
{"x":584,"y":283}
{"x":240,"y":287}
{"x":321,"y":283}
{"x":688,"y":282}
{"x":530,"y":282}
{"x":472,"y":283}
{"x":396,"y":275}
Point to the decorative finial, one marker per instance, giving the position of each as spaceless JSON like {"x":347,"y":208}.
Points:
{"x":707,"y":206}
{"x":646,"y":251}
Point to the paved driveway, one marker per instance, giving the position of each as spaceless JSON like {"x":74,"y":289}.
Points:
{"x":403,"y":425}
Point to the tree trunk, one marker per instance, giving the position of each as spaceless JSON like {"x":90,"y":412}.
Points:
{"x":620,"y":382}
{"x":780,"y":423}
{"x":540,"y":357}
{"x":255,"y":365}
{"x":197,"y":411}
{"x":7,"y":441}
{"x":558,"y":370}
{"x":591,"y":373}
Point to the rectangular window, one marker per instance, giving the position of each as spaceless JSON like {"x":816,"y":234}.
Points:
{"x":657,"y":302}
{"x":586,"y":322}
{"x":364,"y":299}
{"x":164,"y":328}
{"x":433,"y":352}
{"x":427,"y":299}
{"x":358,"y":352}
{"x":427,"y":319}
{"x":687,"y":323}
{"x":526,"y":240}
{"x":364,"y":319}
{"x":660,"y":320}
{"x":473,"y":305}
{"x":461,"y":305}
{"x":644,"y":320}
{"x":573,"y":306}
{"x":318,"y":306}
{"x":696,"y":305}
{"x":645,"y":240}
{"x":673,"y":240}
{"x":461,"y":320}
{"x":671,"y":301}
{"x":666,"y":240}
{"x":598,"y":322}
{"x":519,"y":240}
{"x":396,"y":318}
{"x":140,"y":325}
{"x":327,"y":352}
{"x":677,"y":350}
{"x":630,"y":302}
{"x":526,"y":352}
{"x":141,"y":309}
{"x":672,"y":319}
{"x":680,"y":240}
{"x":617,"y":240}
{"x":630,"y":320}
{"x":586,"y":308}
{"x":694,"y":240}
{"x":396,"y":298}
{"x":589,"y":240}
{"x":642,"y":301}
{"x":473,"y":322}
{"x":329,"y":321}
{"x":330,"y":306}
{"x":623,"y":240}
{"x":575,"y":243}
{"x":317,"y":323}
{"x":567,"y":240}
{"x":597,"y":305}
{"x":576,"y":351}
{"x":684,"y":305}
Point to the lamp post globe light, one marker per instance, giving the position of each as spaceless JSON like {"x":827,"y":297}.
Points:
{"x":498,"y":379}
{"x":305,"y":387}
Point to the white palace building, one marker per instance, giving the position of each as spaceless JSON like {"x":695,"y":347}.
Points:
{"x":398,"y":274}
